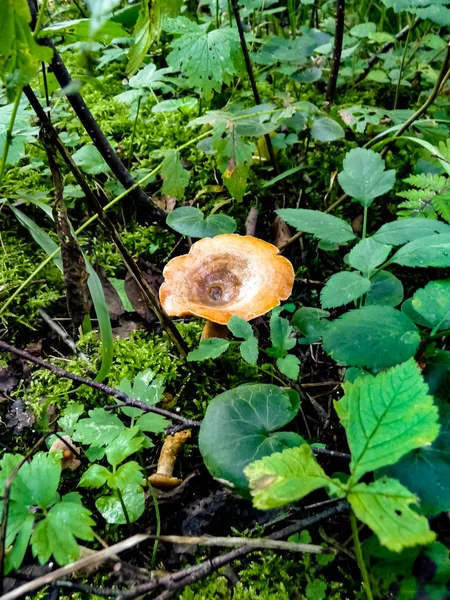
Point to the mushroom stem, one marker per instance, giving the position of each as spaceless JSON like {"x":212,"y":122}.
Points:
{"x":214,"y":330}
{"x":172,"y":447}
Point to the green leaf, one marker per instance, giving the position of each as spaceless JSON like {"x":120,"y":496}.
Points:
{"x":94,"y":477}
{"x":432,"y":303}
{"x":363,"y":30}
{"x":190,"y":221}
{"x":186,"y":103}
{"x":101,"y":11}
{"x":322,"y":226}
{"x":240,"y":328}
{"x":119,"y":286}
{"x":209,"y":348}
{"x":56,"y":533}
{"x":425,"y":9}
{"x":152,"y":423}
{"x":126,"y":475}
{"x":376,"y":337}
{"x":430,"y":251}
{"x":147,"y":30}
{"x":175,"y":176}
{"x":312,"y":323}
{"x":385,"y":289}
{"x":280,"y":334}
{"x":240,"y":427}
{"x":384,"y":506}
{"x":249,"y":350}
{"x":16,"y":554}
{"x":325,"y":129}
{"x":145,"y":388}
{"x":100,"y":429}
{"x":289,"y":366}
{"x":205,"y":59}
{"x":70,"y":416}
{"x":342,"y":288}
{"x":127,"y":442}
{"x":80,"y":30}
{"x":41,"y":478}
{"x":89,"y":159}
{"x":364,"y":177}
{"x":367,"y":255}
{"x":403,"y":231}
{"x":111,"y":509}
{"x":20,"y":55}
{"x":387,"y":416}
{"x":426,"y":472}
{"x":285,"y":477}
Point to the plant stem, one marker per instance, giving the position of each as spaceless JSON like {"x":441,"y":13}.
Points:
{"x":364,"y":230}
{"x":402,"y":66}
{"x":337,"y":51}
{"x":133,"y":134}
{"x":124,"y":509}
{"x":158,"y":524}
{"x":359,"y":556}
{"x":217,"y":14}
{"x":9,"y":135}
{"x":40,"y":19}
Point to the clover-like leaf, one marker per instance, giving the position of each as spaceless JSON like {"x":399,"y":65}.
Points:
{"x":373,"y":336}
{"x":285,"y":477}
{"x":189,"y":220}
{"x":240,"y":427}
{"x":385,"y":506}
{"x":364,"y":176}
{"x":387,"y":416}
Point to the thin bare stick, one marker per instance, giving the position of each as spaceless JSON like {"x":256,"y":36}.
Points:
{"x":230,"y":542}
{"x":98,"y":386}
{"x":65,"y":337}
{"x":337,"y":51}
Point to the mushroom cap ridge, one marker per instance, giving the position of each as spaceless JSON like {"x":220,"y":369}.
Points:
{"x":224,"y":276}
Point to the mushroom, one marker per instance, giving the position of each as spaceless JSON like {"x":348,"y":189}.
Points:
{"x":172,"y":447}
{"x":224,"y":276}
{"x":70,"y":452}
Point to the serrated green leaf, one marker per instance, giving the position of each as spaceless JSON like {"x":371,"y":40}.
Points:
{"x":70,"y":416}
{"x":186,"y":103}
{"x":240,"y":426}
{"x":289,"y":366}
{"x":89,"y":159}
{"x":285,"y":477}
{"x":175,"y":176}
{"x":385,"y":290}
{"x":240,"y":328}
{"x":376,"y":337}
{"x":94,"y":477}
{"x":367,"y":255}
{"x":100,"y":429}
{"x":311,"y":322}
{"x":403,"y":231}
{"x":342,"y":288}
{"x":249,"y":350}
{"x":111,"y":509}
{"x":126,"y":475}
{"x":384,"y":505}
{"x":16,"y":554}
{"x":432,"y":303}
{"x":145,"y":388}
{"x":205,"y":59}
{"x":152,"y":423}
{"x":387,"y":416}
{"x":55,"y":534}
{"x":127,"y":442}
{"x":364,"y":177}
{"x":190,"y":221}
{"x":208,"y":348}
{"x":146,"y":31}
{"x":280,"y":334}
{"x":321,"y":225}
{"x":430,"y":251}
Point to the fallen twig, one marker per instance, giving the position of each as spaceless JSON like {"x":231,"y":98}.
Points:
{"x":98,"y":386}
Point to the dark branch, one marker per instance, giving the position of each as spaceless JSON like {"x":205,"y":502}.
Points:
{"x":337,"y":51}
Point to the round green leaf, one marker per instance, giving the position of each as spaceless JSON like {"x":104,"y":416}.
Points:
{"x":432,"y":303}
{"x":408,"y":310}
{"x":240,"y":427}
{"x":325,"y":129}
{"x":190,"y":221}
{"x":386,"y":290}
{"x":376,"y":337}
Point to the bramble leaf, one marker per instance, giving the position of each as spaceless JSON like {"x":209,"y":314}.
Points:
{"x":249,"y":350}
{"x":384,"y":505}
{"x":367,"y":255}
{"x":342,"y":288}
{"x":403,"y":231}
{"x":240,"y":328}
{"x":321,"y":225}
{"x":387,"y":416}
{"x":285,"y":477}
{"x":364,"y":176}
{"x":430,"y":251}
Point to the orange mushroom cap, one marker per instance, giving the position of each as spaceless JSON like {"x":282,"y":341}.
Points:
{"x":226,"y":275}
